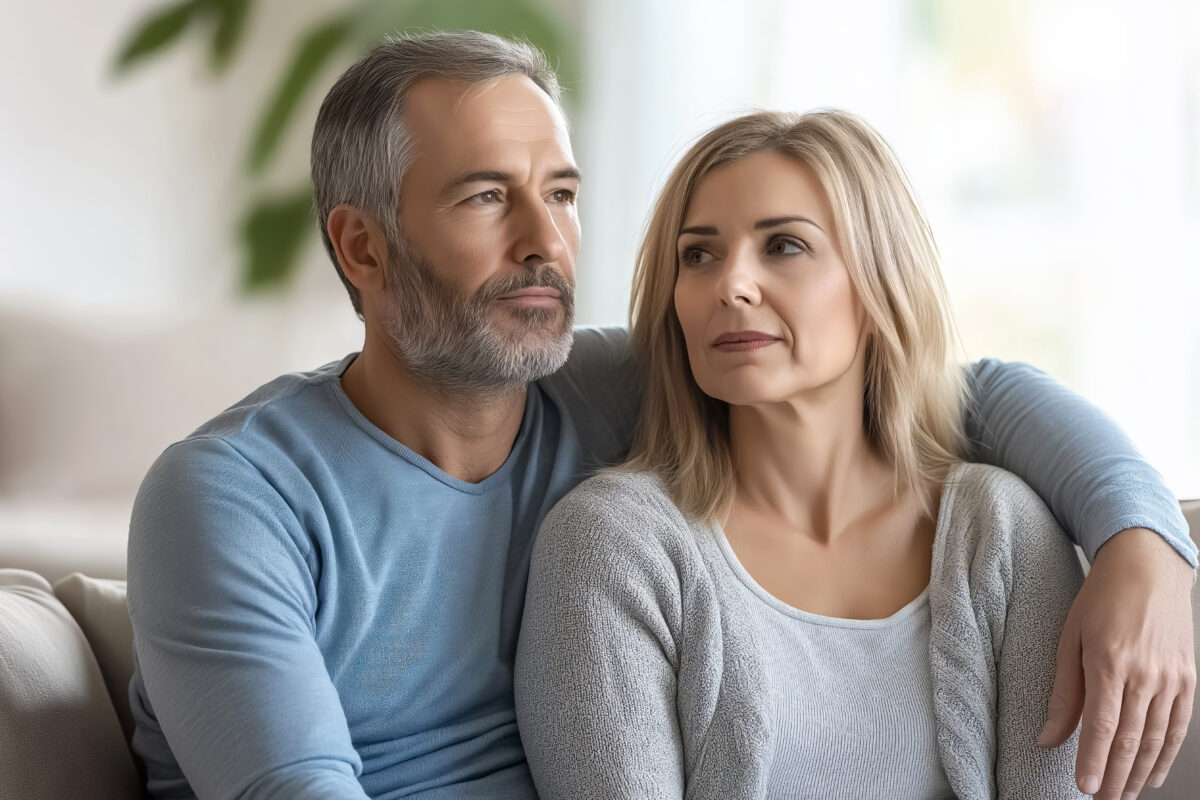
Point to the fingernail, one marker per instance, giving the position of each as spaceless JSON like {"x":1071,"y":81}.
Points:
{"x":1091,"y":784}
{"x":1158,"y":780}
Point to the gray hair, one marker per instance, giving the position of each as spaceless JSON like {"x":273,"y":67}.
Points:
{"x":361,"y":147}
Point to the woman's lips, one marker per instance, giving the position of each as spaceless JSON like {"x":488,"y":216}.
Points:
{"x":740,"y":341}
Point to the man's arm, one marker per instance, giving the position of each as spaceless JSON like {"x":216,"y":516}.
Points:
{"x":1081,"y":464}
{"x":222,"y":599}
{"x":1126,"y":662}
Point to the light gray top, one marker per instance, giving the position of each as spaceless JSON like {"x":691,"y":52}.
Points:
{"x":853,"y":698}
{"x":644,"y":672}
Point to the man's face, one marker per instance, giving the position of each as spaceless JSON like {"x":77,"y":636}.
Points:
{"x":481,"y":285}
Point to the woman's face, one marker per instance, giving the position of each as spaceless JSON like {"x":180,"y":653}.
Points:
{"x":762,"y":292}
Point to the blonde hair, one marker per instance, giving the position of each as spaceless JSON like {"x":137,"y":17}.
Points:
{"x":914,"y":390}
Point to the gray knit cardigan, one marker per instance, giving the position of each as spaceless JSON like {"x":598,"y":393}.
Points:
{"x":637,"y":679}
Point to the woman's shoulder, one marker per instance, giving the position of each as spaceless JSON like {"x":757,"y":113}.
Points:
{"x":615,"y":508}
{"x":982,"y":492}
{"x":992,"y":513}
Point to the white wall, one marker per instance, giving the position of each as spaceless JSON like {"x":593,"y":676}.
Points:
{"x":1056,"y":145}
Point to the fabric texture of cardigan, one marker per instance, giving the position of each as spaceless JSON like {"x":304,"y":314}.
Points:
{"x":639,"y":677}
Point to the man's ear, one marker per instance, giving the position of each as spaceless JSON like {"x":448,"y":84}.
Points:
{"x":361,"y":247}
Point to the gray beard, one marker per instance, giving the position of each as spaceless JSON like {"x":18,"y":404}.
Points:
{"x":445,"y":338}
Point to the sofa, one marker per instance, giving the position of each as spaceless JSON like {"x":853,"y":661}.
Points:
{"x":65,"y":663}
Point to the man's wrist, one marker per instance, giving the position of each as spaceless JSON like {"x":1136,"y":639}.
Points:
{"x":1144,"y":550}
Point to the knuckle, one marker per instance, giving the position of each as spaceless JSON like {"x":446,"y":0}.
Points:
{"x":1152,"y":743}
{"x":1104,"y":725}
{"x":1175,"y":738}
{"x":1107,"y":665}
{"x":1126,"y":747}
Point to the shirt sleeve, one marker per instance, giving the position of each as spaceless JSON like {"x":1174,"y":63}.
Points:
{"x":1072,"y":454}
{"x":600,"y":388}
{"x":596,"y":664}
{"x":223,"y":601}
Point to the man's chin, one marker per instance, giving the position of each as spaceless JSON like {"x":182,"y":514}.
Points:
{"x":530,"y":323}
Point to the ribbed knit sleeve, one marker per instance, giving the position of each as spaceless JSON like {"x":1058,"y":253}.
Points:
{"x":1076,"y":458}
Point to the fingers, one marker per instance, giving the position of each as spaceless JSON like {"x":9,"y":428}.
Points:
{"x":1181,"y":715}
{"x":1154,"y":735}
{"x":1066,"y":699}
{"x":1101,"y":720}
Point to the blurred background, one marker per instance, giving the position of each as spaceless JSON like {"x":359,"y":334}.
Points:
{"x":158,"y":263}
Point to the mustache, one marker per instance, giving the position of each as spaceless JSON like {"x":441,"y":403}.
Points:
{"x":544,"y":276}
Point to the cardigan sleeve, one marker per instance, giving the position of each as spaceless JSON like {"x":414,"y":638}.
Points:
{"x":1040,"y":579}
{"x":597,"y":659}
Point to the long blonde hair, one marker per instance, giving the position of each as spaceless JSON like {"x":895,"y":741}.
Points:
{"x":914,"y":390}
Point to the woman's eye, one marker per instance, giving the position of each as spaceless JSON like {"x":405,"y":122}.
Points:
{"x":786,"y":247}
{"x":562,"y":196}
{"x":693,"y":256}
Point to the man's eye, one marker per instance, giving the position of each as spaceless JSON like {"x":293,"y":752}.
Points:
{"x":693,"y":256}
{"x":562,"y":196}
{"x":490,"y":196}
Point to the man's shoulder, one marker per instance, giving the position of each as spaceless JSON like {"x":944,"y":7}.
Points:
{"x":250,"y":438}
{"x":598,"y":355}
{"x":599,"y":390}
{"x":275,"y":394}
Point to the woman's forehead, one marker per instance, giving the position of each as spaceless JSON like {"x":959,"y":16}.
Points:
{"x":760,"y":186}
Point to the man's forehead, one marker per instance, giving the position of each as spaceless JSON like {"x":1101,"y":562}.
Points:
{"x":455,"y":116}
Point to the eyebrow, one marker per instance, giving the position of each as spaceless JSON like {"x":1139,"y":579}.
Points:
{"x":497,"y":176}
{"x":762,"y":224}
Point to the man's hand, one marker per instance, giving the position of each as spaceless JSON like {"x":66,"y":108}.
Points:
{"x":1127,"y":662}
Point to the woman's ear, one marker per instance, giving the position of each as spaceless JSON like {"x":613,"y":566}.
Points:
{"x":361,"y":247}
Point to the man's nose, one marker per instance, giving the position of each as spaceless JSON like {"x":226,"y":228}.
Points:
{"x":539,"y":239}
{"x":737,"y":282}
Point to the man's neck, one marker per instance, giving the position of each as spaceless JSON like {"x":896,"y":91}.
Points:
{"x":468,"y":435}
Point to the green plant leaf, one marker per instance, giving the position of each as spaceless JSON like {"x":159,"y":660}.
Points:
{"x":227,"y":33}
{"x":272,"y":232}
{"x":156,"y":31}
{"x":314,"y":51}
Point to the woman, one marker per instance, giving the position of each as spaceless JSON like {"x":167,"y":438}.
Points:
{"x":794,"y":588}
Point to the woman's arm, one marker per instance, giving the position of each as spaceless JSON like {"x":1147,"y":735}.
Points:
{"x":1129,"y":633}
{"x":1043,"y":576}
{"x":597,"y":659}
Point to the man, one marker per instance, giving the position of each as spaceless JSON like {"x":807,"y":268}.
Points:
{"x":326,"y":580}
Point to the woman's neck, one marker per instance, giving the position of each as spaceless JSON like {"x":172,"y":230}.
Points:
{"x":808,"y":462}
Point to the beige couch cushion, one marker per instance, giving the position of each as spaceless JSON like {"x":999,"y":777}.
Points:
{"x":101,"y":611}
{"x":1185,"y":775}
{"x":59,"y":735}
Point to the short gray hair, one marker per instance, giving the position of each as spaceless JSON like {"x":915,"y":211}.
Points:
{"x":361,"y":147}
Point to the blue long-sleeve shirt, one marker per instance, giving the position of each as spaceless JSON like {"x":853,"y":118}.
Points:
{"x":319,"y":612}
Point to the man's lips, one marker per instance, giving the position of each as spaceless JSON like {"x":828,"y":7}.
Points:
{"x":534,"y":296}
{"x":738,"y":341}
